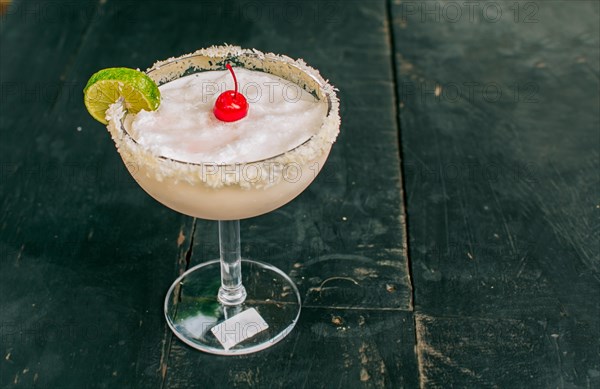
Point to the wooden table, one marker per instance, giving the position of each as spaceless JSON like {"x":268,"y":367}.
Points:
{"x":451,"y":241}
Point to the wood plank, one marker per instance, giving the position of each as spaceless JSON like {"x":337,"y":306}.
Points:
{"x":502,"y":191}
{"x":86,"y":255}
{"x":466,"y":352}
{"x":342,"y":239}
{"x":328,"y":349}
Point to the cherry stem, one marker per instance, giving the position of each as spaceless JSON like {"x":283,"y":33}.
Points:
{"x":228,"y":66}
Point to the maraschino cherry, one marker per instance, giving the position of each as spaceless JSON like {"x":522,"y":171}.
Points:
{"x":231,"y":106}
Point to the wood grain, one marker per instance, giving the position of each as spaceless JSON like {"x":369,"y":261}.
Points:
{"x":499,"y":122}
{"x":500,"y":154}
{"x":328,"y":349}
{"x":491,"y":353}
{"x":86,"y":255}
{"x":342,"y":240}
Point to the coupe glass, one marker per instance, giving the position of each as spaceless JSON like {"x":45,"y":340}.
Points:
{"x":230,"y":306}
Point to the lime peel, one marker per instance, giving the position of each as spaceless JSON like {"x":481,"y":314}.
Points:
{"x":106,"y":87}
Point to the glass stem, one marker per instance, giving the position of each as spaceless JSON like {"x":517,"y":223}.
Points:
{"x":231,"y":292}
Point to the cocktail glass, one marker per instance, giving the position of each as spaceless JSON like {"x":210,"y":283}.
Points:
{"x":230,"y":306}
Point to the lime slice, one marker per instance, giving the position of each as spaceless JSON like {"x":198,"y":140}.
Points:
{"x":106,"y":87}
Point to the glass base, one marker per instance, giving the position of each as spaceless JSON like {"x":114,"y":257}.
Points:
{"x":198,"y":318}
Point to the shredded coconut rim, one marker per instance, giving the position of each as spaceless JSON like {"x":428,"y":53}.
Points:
{"x":214,"y":58}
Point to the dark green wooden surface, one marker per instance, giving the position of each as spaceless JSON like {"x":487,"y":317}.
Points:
{"x":501,"y":197}
{"x":342,"y":239}
{"x":503,"y":191}
{"x":86,"y":256}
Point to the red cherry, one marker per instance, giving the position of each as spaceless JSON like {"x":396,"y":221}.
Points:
{"x":231,"y":106}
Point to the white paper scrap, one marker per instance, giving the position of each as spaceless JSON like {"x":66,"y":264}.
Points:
{"x":238,"y":328}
